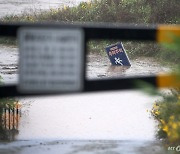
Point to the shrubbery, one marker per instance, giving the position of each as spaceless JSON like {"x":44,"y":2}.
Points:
{"x":121,"y":11}
{"x":167,"y":113}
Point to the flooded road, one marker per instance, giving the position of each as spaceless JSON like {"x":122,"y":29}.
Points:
{"x":110,"y":115}
{"x":116,"y":122}
{"x":98,"y":66}
{"x":9,"y":64}
{"x":14,"y":7}
{"x":84,"y":147}
{"x":108,"y":122}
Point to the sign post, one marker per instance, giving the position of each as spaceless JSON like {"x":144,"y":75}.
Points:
{"x":117,"y":55}
{"x":51,"y":60}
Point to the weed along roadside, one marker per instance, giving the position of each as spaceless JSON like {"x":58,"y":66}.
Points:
{"x":109,"y":122}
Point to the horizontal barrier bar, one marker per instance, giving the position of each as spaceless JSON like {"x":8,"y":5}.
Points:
{"x":95,"y":31}
{"x":159,"y":81}
{"x":159,"y":33}
{"x":89,"y":86}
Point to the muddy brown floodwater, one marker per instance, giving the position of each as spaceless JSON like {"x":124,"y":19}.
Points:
{"x":96,"y":123}
{"x":99,"y":67}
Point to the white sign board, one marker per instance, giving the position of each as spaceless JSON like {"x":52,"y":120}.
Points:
{"x":51,"y":60}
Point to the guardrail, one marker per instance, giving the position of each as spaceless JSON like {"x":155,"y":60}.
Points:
{"x":158,"y":33}
{"x":10,"y":117}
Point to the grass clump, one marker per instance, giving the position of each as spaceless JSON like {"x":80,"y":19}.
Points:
{"x":8,"y":41}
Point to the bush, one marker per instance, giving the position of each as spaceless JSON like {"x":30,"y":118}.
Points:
{"x":167,"y":113}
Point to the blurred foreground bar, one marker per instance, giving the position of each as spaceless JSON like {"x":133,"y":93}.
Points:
{"x":157,"y":33}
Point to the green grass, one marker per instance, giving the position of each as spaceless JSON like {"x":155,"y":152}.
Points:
{"x":125,"y":11}
{"x":112,"y":11}
{"x":8,"y":41}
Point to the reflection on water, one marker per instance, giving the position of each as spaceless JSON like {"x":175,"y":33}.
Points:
{"x":9,"y":122}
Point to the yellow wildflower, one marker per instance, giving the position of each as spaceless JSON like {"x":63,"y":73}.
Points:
{"x":162,"y":121}
{"x":171,"y":118}
{"x":157,"y":112}
{"x":165,"y":128}
{"x":174,"y":125}
{"x":83,"y":6}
